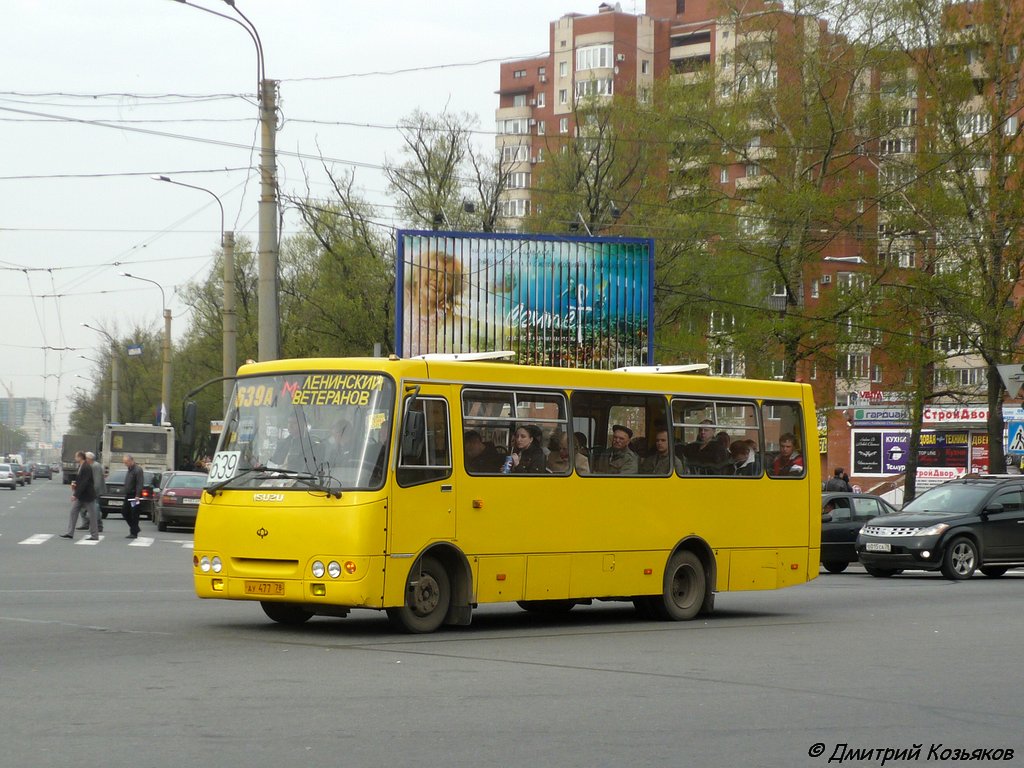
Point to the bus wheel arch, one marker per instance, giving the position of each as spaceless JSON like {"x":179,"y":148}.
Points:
{"x":438,"y":589}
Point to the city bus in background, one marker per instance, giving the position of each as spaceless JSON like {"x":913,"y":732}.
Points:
{"x":152,"y":446}
{"x":345,"y":483}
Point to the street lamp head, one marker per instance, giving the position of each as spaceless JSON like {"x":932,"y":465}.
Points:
{"x":161,"y":178}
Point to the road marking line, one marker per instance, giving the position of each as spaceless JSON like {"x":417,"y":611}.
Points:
{"x":89,"y":542}
{"x":142,"y":541}
{"x":38,"y":538}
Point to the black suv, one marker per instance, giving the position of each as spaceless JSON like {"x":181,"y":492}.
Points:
{"x":957,"y":528}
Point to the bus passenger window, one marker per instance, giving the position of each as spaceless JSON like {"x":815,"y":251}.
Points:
{"x":783,"y":432}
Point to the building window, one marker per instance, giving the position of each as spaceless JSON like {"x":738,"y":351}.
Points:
{"x":541,"y":127}
{"x":815,"y":289}
{"x":563,"y":95}
{"x":515,"y":209}
{"x":563,"y":125}
{"x":876,"y":374}
{"x":519,"y":180}
{"x":541,"y":71}
{"x":563,"y":68}
{"x":645,"y":67}
{"x":753,"y":169}
{"x":723,"y":176}
{"x":519,"y":73}
{"x":515,"y":126}
{"x":680,"y":7}
{"x":541,"y":99}
{"x":854,"y":366}
{"x":515,"y":153}
{"x":596,"y":87}
{"x":519,"y":100}
{"x":594,"y":57}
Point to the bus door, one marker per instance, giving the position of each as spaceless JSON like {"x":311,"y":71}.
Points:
{"x":423,"y":503}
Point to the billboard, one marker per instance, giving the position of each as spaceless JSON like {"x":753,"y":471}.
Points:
{"x":581,"y":302}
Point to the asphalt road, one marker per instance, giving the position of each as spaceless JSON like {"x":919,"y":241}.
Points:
{"x":108,"y":659}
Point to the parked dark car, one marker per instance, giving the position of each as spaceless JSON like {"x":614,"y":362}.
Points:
{"x":842,"y":516}
{"x":113,"y":499}
{"x":957,"y":528}
{"x":9,"y":477}
{"x":177,"y":500}
{"x":42,"y":470}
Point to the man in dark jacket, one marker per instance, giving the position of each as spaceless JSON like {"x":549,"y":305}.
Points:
{"x":836,"y":482}
{"x":133,"y":483}
{"x":83,"y":494}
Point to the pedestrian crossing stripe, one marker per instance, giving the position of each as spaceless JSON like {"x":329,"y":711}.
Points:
{"x":143,"y":541}
{"x":1015,"y":438}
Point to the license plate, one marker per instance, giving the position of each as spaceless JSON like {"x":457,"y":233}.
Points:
{"x":114,"y":504}
{"x":874,"y":546}
{"x":190,"y":501}
{"x":273,"y":588}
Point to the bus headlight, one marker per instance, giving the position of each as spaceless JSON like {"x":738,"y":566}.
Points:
{"x":216,"y":564}
{"x":334,"y":569}
{"x":318,"y":569}
{"x":204,"y":564}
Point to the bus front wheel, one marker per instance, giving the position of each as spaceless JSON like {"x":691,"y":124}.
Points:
{"x":286,"y":613}
{"x":428,"y":596}
{"x":684,"y":588}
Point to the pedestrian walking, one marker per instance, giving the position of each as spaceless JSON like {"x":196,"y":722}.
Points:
{"x":83,"y":494}
{"x":132,"y":493}
{"x":99,"y":487}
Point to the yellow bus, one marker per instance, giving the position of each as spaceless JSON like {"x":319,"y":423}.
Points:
{"x":425,"y":487}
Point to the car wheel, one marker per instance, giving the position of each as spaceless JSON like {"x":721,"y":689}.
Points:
{"x":834,"y":566}
{"x":993,"y":571}
{"x":880,"y":573}
{"x":159,"y":520}
{"x":960,"y":559}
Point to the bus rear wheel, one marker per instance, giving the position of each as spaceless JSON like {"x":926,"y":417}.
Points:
{"x":286,"y":613}
{"x":684,"y":588}
{"x":428,"y":596}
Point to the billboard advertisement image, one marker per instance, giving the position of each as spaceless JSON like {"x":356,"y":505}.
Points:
{"x":558,"y":301}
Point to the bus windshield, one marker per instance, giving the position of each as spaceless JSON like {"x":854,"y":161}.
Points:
{"x":326,"y":431}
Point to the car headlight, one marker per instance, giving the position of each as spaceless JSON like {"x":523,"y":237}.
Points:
{"x":934,"y":530}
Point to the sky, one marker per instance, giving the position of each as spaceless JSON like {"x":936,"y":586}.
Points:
{"x":175,"y":89}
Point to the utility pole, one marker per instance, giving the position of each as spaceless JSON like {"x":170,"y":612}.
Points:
{"x":230,"y":319}
{"x":267,"y":294}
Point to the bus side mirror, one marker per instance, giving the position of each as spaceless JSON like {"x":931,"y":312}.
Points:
{"x":413,"y":434}
{"x":188,"y":424}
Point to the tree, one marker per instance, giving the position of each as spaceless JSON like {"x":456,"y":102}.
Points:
{"x":969,"y":174}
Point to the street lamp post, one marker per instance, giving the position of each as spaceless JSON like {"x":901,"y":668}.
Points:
{"x":228,"y":317}
{"x":115,"y":394}
{"x":165,"y":389}
{"x":269,"y":322}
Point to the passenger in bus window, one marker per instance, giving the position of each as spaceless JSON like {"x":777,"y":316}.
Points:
{"x":558,"y":453}
{"x":527,"y":454}
{"x":582,"y":458}
{"x":788,"y":462}
{"x":661,"y":462}
{"x":706,"y":455}
{"x":619,"y":459}
{"x":481,"y":457}
{"x":743,"y":459}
